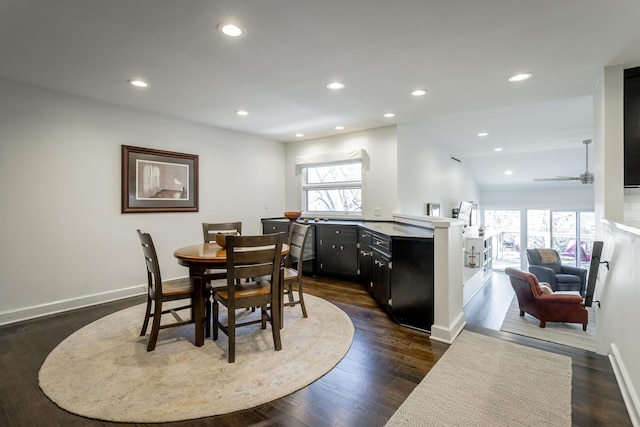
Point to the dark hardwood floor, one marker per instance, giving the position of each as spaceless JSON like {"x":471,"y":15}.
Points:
{"x":385,"y":362}
{"x":596,"y":398}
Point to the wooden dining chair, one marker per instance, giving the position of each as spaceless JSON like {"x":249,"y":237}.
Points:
{"x":293,"y":266}
{"x":159,"y":292}
{"x":209,"y":231}
{"x":253,"y":280}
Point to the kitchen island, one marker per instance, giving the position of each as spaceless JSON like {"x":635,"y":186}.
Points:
{"x":394,"y":261}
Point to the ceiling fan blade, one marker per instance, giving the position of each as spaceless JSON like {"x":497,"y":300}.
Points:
{"x":585,"y":178}
{"x":558,"y":178}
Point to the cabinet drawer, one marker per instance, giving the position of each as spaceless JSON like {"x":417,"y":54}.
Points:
{"x":381,"y":243}
{"x":269,"y":227}
{"x":337,"y":232}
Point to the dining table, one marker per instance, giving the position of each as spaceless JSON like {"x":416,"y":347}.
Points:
{"x":198,"y":259}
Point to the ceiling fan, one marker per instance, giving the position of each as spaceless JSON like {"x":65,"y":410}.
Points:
{"x":585,"y":178}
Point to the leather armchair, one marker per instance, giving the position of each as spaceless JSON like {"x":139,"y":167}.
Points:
{"x":559,"y":277}
{"x":546,"y":307}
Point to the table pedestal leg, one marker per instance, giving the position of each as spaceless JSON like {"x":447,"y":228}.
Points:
{"x":199,"y":286}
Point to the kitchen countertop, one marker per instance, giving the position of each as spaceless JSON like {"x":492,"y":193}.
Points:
{"x":388,"y":228}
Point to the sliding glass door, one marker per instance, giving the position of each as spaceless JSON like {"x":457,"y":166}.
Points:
{"x":538,"y":228}
{"x":505,"y":226}
{"x":572,"y":235}
{"x":587,"y":234}
{"x":515,"y":230}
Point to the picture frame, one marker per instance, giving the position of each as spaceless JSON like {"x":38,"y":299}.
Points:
{"x":158,"y":181}
{"x":433,"y":209}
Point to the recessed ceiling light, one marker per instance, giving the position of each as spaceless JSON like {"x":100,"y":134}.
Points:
{"x":339,"y":127}
{"x":137,"y":83}
{"x":230,"y":30}
{"x":497,"y":149}
{"x":483,"y":134}
{"x":508,"y":172}
{"x":299,"y":135}
{"x":389,"y":115}
{"x":520,"y":77}
{"x":418,"y":92}
{"x":242,"y":113}
{"x":335,"y":85}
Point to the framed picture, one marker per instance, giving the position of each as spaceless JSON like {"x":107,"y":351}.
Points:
{"x":158,"y":181}
{"x":433,"y":209}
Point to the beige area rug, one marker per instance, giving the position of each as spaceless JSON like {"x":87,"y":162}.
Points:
{"x":484,"y":381}
{"x":570,"y":334}
{"x":103,"y":371}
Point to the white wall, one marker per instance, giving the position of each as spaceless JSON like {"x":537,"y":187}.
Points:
{"x":609,"y":145}
{"x":632,"y":207}
{"x":618,"y":288}
{"x":426,"y":174}
{"x":618,"y":291}
{"x":576,"y":196}
{"x":380,"y":167}
{"x":64,"y":241}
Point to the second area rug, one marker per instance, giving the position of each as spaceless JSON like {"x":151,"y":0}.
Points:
{"x":570,"y":334}
{"x":484,"y":381}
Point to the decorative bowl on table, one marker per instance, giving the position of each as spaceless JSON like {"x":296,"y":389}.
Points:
{"x":221,"y":239}
{"x":292,"y":215}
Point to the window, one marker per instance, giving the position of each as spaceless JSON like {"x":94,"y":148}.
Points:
{"x":332,"y":187}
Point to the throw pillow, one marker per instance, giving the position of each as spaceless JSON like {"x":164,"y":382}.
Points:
{"x":545,"y":288}
{"x":548,"y":256}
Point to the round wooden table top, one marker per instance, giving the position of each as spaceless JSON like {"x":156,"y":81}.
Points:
{"x":208,"y":252}
{"x":202,"y":252}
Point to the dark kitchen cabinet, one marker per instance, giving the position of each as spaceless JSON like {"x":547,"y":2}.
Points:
{"x":381,"y":278}
{"x":271,"y":226}
{"x":380,"y":286}
{"x":277,"y":225}
{"x":364,"y":257}
{"x":337,"y":250}
{"x":632,"y":127}
{"x":393,"y":261}
{"x":412,"y":282}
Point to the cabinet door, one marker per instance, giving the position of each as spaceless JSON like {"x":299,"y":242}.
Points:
{"x":412,"y":282}
{"x":328,"y":261}
{"x":309,"y":263}
{"x":348,"y":258}
{"x":380,"y":278}
{"x":337,"y":247}
{"x":364,"y":257}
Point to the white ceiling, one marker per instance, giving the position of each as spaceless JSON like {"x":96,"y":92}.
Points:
{"x":462,"y":51}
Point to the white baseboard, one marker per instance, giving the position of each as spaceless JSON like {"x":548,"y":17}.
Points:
{"x":629,"y":394}
{"x":448,"y":334}
{"x":35,"y":311}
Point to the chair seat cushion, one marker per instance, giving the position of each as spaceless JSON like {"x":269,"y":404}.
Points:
{"x":567,"y":278}
{"x":290,"y":273}
{"x":177,"y":287}
{"x":245,"y":290}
